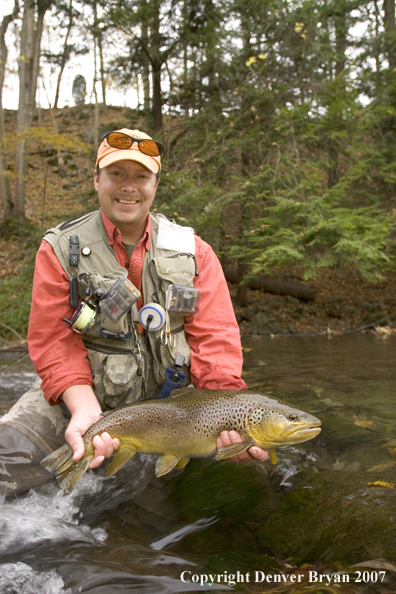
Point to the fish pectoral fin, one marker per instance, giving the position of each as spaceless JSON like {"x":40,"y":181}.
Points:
{"x":233,"y":449}
{"x":124,"y":453}
{"x":182,"y":462}
{"x":166,"y":463}
{"x":272,"y":455}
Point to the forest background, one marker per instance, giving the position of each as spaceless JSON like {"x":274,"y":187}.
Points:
{"x":279,"y":121}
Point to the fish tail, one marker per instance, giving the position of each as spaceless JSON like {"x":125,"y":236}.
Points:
{"x":67,"y":472}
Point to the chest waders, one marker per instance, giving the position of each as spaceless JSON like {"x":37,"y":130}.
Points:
{"x":124,"y":370}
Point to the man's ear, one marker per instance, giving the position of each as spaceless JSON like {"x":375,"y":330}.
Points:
{"x":95,"y":180}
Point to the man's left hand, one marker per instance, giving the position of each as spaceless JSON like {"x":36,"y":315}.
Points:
{"x":253,"y":453}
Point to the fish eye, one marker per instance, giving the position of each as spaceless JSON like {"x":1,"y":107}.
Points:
{"x":293,"y":417}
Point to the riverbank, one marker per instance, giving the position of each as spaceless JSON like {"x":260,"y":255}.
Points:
{"x":344,"y":303}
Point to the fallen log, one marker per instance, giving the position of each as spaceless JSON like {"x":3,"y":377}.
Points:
{"x":291,"y":287}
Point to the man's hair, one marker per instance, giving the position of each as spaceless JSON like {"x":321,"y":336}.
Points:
{"x":99,"y":170}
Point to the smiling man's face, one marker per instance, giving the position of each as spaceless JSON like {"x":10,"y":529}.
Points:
{"x":126,"y":190}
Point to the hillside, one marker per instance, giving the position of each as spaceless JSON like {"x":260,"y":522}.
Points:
{"x":343,"y":303}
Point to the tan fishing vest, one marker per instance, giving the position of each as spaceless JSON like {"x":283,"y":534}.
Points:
{"x":129,"y":370}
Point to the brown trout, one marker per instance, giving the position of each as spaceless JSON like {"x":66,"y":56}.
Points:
{"x":186,"y":425}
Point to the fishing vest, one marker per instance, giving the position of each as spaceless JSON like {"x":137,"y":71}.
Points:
{"x":134,"y":368}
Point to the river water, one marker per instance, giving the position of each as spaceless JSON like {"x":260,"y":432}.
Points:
{"x":326,"y":509}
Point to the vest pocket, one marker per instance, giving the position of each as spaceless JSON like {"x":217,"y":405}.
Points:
{"x":116,"y":382}
{"x":178,"y":270}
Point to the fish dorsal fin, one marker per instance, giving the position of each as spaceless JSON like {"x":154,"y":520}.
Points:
{"x":124,"y":453}
{"x":183,"y":392}
{"x":166,"y":463}
{"x":233,"y":449}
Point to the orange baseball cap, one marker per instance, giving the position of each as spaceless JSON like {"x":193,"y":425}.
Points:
{"x":108,"y":154}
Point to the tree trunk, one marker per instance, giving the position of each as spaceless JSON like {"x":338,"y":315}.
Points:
{"x":157,"y":100}
{"x":210,"y":42}
{"x":65,"y":54}
{"x":156,"y":64}
{"x":4,"y":183}
{"x":341,"y":30}
{"x":101,"y":66}
{"x":96,"y":106}
{"x":340,"y":41}
{"x":146,"y":65}
{"x":390,"y":33}
{"x":241,"y":297}
{"x":281,"y":286}
{"x":28,"y":69}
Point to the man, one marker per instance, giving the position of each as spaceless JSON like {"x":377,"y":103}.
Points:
{"x":89,"y":361}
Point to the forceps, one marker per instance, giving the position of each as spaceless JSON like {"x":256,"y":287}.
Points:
{"x":166,"y":335}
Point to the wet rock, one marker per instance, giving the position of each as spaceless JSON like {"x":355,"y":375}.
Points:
{"x":274,"y":301}
{"x":249,"y":312}
{"x":377,"y":318}
{"x":277,"y":328}
{"x":262,"y":325}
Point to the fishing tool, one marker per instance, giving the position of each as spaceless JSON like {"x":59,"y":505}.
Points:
{"x":74,"y":256}
{"x":83,"y":318}
{"x":166,"y":335}
{"x":174,"y":377}
{"x":114,"y":303}
{"x":119,"y":299}
{"x":152,"y":316}
{"x":181,"y":300}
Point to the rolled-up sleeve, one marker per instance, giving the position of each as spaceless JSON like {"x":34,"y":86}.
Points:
{"x":212,"y":332}
{"x":58,"y":354}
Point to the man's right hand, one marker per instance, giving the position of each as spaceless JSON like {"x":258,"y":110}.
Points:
{"x":85,"y":411}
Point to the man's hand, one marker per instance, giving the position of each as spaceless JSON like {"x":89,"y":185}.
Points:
{"x":105,"y":447}
{"x":85,"y":411}
{"x":253,"y":453}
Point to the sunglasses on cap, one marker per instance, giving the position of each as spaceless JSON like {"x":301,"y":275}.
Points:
{"x":147,"y":146}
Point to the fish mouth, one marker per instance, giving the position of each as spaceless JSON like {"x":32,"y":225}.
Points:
{"x":299,"y":434}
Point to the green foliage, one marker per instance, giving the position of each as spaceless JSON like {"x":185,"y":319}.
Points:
{"x":312,"y":192}
{"x":313,"y":234}
{"x":15,"y":292}
{"x":15,"y":298}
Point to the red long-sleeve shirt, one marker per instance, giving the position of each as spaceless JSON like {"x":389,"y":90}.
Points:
{"x":59,"y":354}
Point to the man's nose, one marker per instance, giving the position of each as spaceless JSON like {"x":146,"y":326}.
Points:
{"x":129,"y":184}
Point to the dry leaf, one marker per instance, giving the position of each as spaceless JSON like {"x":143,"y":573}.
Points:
{"x":366,"y":424}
